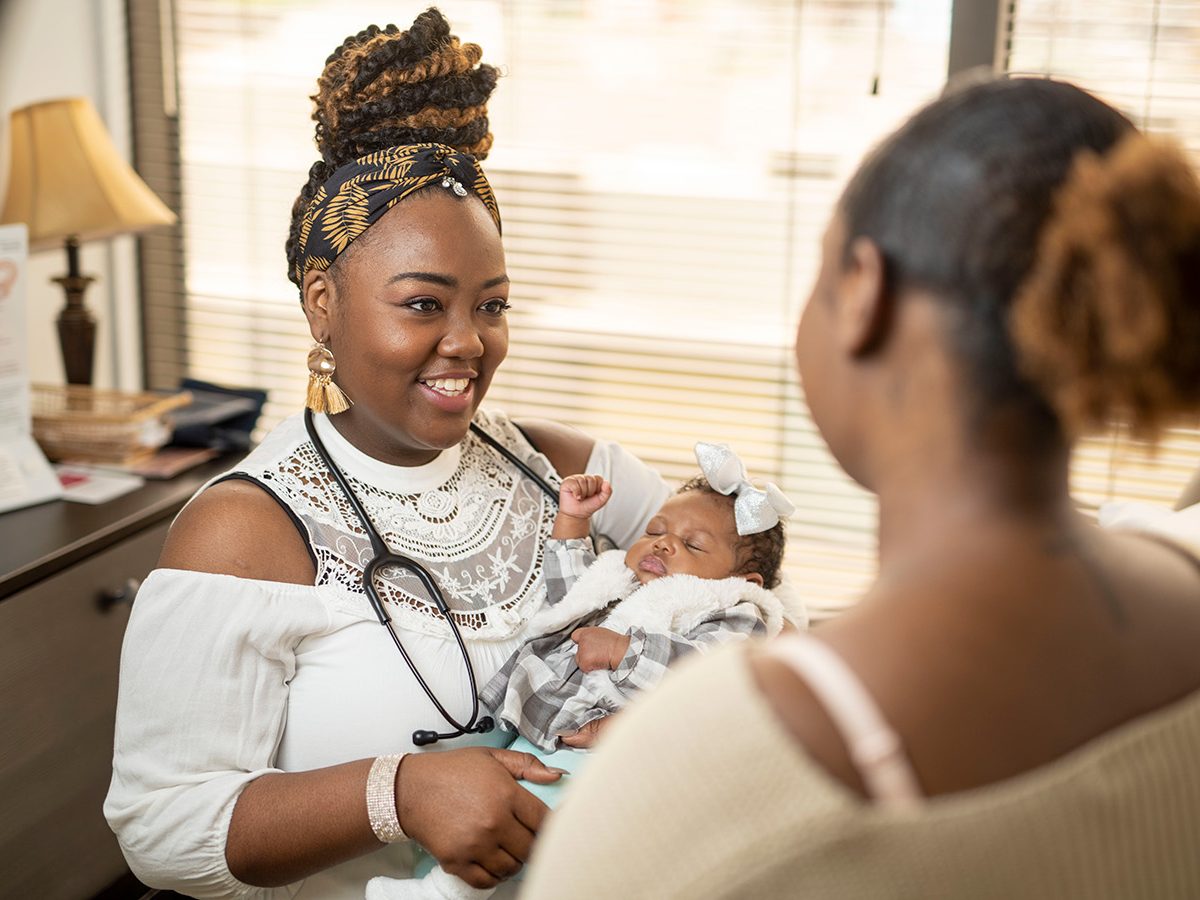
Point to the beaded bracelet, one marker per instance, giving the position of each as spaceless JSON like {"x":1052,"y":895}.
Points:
{"x":381,"y":799}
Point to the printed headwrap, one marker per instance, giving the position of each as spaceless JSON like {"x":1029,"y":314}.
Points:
{"x":355,"y":196}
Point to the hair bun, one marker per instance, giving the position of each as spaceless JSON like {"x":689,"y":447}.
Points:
{"x":1108,"y":322}
{"x":384,"y":87}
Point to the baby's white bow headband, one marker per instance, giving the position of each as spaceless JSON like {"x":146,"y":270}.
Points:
{"x":754,"y":509}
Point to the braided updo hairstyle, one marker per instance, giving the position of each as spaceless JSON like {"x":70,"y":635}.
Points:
{"x":1063,"y":245}
{"x":384,"y":87}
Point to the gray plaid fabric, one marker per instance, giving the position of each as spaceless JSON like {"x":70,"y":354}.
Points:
{"x":562,"y":564}
{"x":553,"y":697}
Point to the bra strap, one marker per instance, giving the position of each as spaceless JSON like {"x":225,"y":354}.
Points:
{"x":874,"y":747}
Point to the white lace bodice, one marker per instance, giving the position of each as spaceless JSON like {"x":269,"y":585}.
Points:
{"x":469,"y":517}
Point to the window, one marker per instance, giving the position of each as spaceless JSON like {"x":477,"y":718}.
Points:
{"x":665,"y":169}
{"x":1139,"y":55}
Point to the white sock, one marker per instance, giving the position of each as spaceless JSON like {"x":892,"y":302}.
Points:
{"x":437,"y":885}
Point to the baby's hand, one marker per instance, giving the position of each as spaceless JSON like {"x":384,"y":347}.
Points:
{"x":582,"y":496}
{"x":585,"y":737}
{"x":599,"y":648}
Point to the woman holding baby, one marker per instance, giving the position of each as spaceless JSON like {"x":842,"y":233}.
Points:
{"x":1014,"y":266}
{"x":263,"y":710}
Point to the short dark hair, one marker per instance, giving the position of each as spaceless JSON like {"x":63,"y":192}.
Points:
{"x":956,"y":200}
{"x":760,"y":553}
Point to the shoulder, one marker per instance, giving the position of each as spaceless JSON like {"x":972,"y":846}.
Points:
{"x":698,"y":752}
{"x":804,"y":717}
{"x":236,"y":527}
{"x":567,"y":448}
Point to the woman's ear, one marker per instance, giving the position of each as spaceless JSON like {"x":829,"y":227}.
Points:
{"x":864,"y":301}
{"x":318,"y":293}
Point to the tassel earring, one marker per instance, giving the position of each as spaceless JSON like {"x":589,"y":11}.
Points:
{"x":323,"y":395}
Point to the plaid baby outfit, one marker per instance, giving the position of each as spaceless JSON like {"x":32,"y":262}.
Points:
{"x":541,"y":693}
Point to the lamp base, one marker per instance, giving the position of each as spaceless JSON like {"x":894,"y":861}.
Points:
{"x":76,"y":330}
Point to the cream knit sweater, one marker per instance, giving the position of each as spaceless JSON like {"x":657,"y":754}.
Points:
{"x":700,"y":793}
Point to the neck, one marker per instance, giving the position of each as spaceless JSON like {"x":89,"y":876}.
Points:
{"x":931,"y":499}
{"x":948,"y":462}
{"x":376,"y":443}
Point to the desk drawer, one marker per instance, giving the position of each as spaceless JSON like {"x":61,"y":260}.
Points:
{"x":59,"y":655}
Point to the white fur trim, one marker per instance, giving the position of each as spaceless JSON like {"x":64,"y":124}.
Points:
{"x":606,"y":580}
{"x":673,"y":604}
{"x":795,"y":610}
{"x":676,"y":604}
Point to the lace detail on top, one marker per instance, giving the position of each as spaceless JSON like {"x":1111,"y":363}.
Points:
{"x":469,"y":517}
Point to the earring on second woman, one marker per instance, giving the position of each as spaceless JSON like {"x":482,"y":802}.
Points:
{"x":323,"y":395}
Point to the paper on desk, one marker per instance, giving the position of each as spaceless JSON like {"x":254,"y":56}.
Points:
{"x":25,"y":476}
{"x":84,"y":484}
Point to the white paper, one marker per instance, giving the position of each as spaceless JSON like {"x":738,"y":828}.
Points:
{"x":84,"y":484}
{"x":25,"y":475}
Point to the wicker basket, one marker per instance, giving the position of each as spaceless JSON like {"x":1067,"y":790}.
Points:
{"x":80,"y":424}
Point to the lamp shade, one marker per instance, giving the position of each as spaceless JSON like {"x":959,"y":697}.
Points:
{"x":66,"y":179}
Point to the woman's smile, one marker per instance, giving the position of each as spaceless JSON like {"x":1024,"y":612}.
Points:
{"x":452,"y":395}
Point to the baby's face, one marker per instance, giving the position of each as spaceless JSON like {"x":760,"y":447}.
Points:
{"x":693,"y":534}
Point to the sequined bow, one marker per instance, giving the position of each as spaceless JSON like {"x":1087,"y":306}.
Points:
{"x":754,"y":509}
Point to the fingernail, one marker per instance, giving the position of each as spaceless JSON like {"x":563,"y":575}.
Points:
{"x":558,"y":771}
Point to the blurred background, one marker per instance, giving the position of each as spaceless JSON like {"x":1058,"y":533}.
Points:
{"x":664,"y":168}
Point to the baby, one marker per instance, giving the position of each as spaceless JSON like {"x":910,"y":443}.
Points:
{"x":614,"y":623}
{"x":701,"y":575}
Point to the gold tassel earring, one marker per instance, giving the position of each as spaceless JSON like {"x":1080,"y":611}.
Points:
{"x":323,"y":395}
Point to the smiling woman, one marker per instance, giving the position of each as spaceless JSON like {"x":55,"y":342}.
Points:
{"x":414,"y":313}
{"x":285,"y":763}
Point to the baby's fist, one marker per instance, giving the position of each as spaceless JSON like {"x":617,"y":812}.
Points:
{"x":599,"y":648}
{"x":582,"y":496}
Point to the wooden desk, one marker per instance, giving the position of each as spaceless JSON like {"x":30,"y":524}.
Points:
{"x":68,"y":575}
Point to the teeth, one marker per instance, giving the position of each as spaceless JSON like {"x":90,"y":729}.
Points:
{"x":451,"y":387}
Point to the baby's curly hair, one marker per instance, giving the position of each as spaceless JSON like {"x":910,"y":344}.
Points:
{"x":384,"y":88}
{"x":762,"y":552}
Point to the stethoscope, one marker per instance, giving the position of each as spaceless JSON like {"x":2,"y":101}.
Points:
{"x":385,"y":557}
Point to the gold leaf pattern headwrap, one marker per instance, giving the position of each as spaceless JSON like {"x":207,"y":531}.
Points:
{"x":355,"y":196}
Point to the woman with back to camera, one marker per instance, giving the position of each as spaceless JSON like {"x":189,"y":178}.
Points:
{"x":1013,"y":708}
{"x":262,"y":707}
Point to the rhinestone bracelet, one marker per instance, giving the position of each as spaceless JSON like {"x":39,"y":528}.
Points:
{"x":381,"y":799}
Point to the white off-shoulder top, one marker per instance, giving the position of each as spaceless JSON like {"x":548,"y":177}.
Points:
{"x":224,"y":679}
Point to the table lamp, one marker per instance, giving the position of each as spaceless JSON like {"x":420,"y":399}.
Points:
{"x":68,"y":184}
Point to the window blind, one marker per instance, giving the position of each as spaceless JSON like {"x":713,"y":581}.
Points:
{"x":664,"y":170}
{"x":1139,"y":55}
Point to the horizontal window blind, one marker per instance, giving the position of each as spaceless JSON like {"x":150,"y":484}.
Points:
{"x":664,"y":170}
{"x":1141,"y":56}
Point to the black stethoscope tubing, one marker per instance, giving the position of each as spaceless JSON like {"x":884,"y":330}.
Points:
{"x":383,"y":556}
